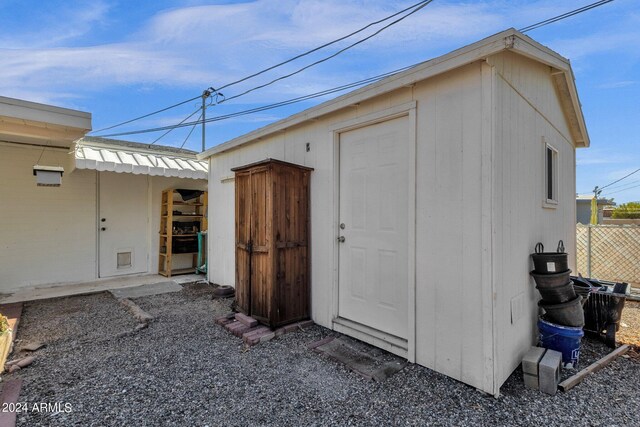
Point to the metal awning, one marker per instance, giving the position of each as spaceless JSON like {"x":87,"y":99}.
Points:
{"x":139,"y":159}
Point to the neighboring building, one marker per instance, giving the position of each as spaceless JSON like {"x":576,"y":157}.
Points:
{"x":108,"y":202}
{"x":445,"y":177}
{"x":583,"y":208}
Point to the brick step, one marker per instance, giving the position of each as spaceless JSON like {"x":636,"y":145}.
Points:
{"x":251,"y":332}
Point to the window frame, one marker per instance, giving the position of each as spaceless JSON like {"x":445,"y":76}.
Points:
{"x":553,"y":173}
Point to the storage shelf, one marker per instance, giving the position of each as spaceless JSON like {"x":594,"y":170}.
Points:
{"x":176,"y":203}
{"x":179,"y":253}
{"x":175,"y":272}
{"x":173,"y":211}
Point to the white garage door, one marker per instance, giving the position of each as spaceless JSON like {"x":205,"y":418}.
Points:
{"x":373,"y":265}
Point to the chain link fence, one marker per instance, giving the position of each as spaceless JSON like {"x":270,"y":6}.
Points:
{"x":609,"y":252}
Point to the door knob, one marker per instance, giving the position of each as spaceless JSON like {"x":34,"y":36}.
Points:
{"x":341,"y":239}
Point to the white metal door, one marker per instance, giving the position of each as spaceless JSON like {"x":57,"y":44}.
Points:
{"x":373,"y":265}
{"x":122,"y":222}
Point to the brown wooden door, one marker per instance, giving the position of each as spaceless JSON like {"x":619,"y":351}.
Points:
{"x":243,"y":241}
{"x":261,"y":268}
{"x":290,"y":196}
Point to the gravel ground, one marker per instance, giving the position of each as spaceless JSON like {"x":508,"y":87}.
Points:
{"x":629,"y":332}
{"x":185,"y":370}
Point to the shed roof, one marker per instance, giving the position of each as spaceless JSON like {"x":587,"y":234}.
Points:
{"x":130,"y":157}
{"x":511,"y":40}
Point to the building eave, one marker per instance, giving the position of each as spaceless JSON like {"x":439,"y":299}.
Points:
{"x":32,"y":123}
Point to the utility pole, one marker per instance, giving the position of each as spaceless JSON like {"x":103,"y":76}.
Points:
{"x":206,"y":94}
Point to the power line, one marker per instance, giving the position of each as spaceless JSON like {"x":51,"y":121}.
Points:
{"x":615,"y":187}
{"x":146,"y":115}
{"x":269,"y":106}
{"x":624,"y":189}
{"x":417,"y":7}
{"x":329,"y":91}
{"x":324,"y":45}
{"x":191,"y":131}
{"x":564,"y":16}
{"x":286,"y":76}
{"x":183,"y":120}
{"x":618,"y":180}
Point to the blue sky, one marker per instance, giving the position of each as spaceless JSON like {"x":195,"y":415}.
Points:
{"x":122,"y":59}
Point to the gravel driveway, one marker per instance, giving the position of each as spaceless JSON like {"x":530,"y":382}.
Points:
{"x":184,"y":370}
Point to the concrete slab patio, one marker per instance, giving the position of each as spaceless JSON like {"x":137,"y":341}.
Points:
{"x":146,"y":290}
{"x":63,"y":290}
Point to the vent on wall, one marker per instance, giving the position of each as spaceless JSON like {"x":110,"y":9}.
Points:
{"x":48,"y":176}
{"x":124,"y":259}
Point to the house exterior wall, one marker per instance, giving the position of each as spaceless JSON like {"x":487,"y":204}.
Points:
{"x":527,"y":114}
{"x":47,"y":234}
{"x":583,"y":211}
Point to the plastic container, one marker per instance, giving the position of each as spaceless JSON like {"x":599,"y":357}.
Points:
{"x":583,"y":288}
{"x":566,"y":314}
{"x":549,"y":262}
{"x":551,"y":280}
{"x":564,"y":339}
{"x":564,"y":293}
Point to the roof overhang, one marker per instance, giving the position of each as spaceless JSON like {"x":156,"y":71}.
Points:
{"x":508,"y":40}
{"x":139,"y":159}
{"x":39,"y":124}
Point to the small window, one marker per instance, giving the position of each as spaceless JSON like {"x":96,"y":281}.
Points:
{"x":550,"y":176}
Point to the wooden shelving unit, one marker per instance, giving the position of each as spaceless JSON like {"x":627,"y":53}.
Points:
{"x":178,"y":232}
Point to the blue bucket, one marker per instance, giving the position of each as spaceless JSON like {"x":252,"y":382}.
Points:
{"x":565,"y":339}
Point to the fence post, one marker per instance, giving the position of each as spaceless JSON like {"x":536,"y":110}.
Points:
{"x":589,"y":250}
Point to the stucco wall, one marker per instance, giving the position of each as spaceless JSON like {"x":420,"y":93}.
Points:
{"x":47,"y":234}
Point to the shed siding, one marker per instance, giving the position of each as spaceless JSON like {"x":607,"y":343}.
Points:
{"x":451,"y":313}
{"x":520,"y":220}
{"x":479,"y":209}
{"x":47,"y":234}
{"x":450,"y":307}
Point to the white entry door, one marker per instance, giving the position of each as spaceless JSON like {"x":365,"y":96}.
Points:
{"x":122,"y":224}
{"x":373,"y":265}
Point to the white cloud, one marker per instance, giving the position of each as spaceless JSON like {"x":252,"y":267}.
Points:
{"x":618,"y":84}
{"x":195,"y":46}
{"x":70,"y":21}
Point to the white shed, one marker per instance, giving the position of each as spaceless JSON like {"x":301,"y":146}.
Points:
{"x":102,"y":221}
{"x":441,"y":179}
